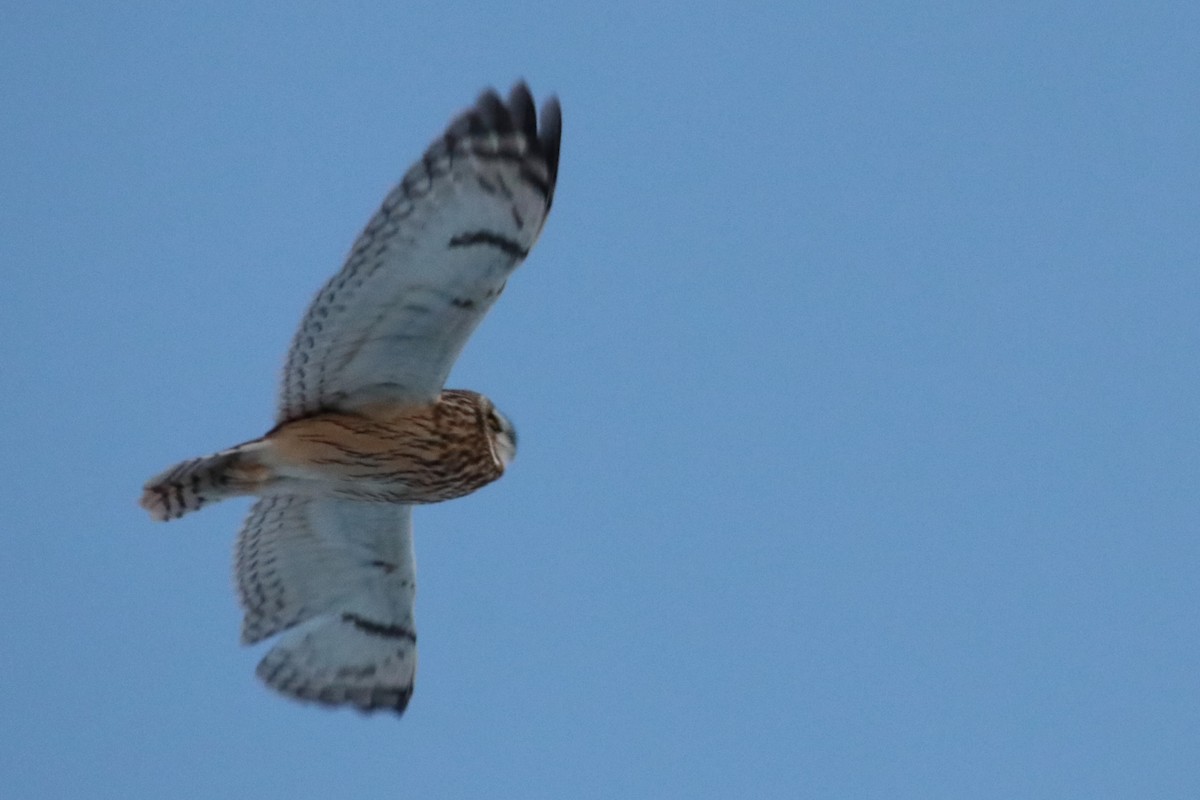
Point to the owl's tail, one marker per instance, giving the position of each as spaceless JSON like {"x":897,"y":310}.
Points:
{"x":189,"y":485}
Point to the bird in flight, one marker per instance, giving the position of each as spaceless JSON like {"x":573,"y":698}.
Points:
{"x":365,"y":429}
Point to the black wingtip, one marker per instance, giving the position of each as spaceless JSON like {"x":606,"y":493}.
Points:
{"x":492,"y":115}
{"x":520,"y":106}
{"x":468,"y":123}
{"x":550,"y":136}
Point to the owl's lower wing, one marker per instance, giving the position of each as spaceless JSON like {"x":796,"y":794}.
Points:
{"x":337,"y":579}
{"x":430,"y":263}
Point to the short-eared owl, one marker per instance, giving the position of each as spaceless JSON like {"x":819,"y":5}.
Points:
{"x":365,"y":429}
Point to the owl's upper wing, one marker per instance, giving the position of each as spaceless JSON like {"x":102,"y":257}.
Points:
{"x":430,"y":263}
{"x":339,"y":577}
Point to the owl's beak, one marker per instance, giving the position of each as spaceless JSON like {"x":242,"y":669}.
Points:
{"x":505,"y":441}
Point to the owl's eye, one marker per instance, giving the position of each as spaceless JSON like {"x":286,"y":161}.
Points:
{"x":494,"y":423}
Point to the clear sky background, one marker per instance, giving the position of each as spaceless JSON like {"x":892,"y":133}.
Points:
{"x":856,"y":376}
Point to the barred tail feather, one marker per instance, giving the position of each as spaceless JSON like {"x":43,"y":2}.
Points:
{"x":192,"y":484}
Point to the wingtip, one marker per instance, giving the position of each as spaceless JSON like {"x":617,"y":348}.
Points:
{"x":520,"y":106}
{"x":363,"y":699}
{"x":492,"y":115}
{"x":344,"y":660}
{"x":550,"y":134}
{"x":495,"y":115}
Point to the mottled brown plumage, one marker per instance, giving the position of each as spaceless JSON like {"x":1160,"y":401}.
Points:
{"x":384,"y":452}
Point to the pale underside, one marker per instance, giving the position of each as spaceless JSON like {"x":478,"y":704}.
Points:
{"x":336,"y":577}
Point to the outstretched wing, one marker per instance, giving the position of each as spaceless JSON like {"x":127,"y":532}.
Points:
{"x":430,"y":263}
{"x":337,"y":579}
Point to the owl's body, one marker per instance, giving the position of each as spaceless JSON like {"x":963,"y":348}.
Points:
{"x":365,"y":429}
{"x":386,"y":452}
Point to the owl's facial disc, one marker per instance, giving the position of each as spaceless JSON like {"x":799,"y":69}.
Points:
{"x":504,"y":437}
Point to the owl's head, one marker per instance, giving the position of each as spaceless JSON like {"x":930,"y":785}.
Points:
{"x":502,"y":434}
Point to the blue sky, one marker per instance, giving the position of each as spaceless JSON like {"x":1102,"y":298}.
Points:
{"x":855,"y":372}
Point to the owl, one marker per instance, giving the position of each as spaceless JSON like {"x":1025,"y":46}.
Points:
{"x":365,"y":429}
